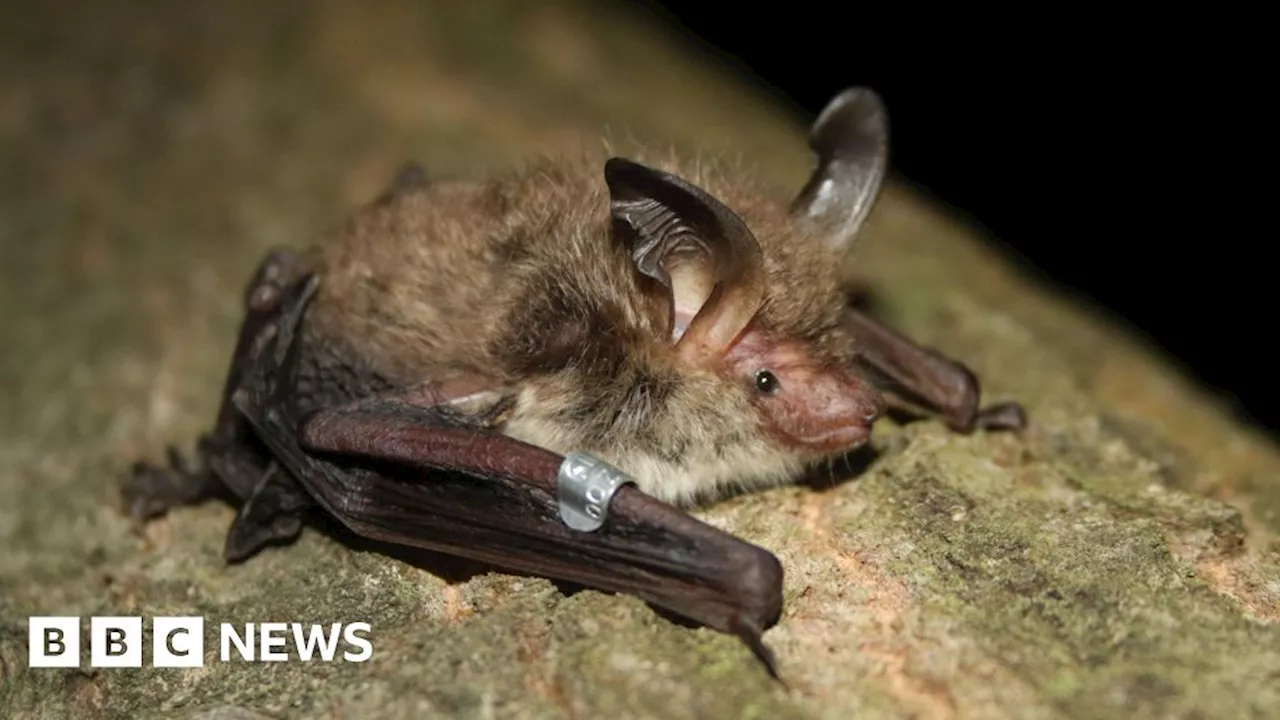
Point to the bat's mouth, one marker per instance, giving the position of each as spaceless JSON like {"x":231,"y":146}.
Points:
{"x":836,"y":439}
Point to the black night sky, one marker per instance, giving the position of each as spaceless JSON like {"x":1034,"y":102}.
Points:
{"x":1089,"y":148}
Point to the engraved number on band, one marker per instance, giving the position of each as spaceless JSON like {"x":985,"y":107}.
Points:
{"x":585,"y":486}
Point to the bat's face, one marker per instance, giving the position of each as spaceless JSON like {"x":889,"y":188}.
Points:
{"x":756,"y":376}
{"x":802,"y":401}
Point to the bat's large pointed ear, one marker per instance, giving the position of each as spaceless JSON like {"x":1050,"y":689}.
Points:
{"x":698,"y":250}
{"x":851,"y":140}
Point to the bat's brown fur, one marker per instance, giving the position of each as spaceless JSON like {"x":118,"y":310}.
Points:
{"x":596,"y":305}
{"x":518,"y":279}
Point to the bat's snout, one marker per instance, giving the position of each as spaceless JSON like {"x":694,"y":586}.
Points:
{"x":827,"y":411}
{"x":843,"y":411}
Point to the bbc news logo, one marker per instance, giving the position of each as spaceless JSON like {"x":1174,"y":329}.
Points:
{"x":54,"y":642}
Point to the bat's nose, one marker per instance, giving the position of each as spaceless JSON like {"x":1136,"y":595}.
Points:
{"x":873,"y":401}
{"x":843,"y":411}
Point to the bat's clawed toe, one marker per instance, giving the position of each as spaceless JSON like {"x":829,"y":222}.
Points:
{"x":1002,"y":416}
{"x":151,"y":490}
{"x":141,"y":493}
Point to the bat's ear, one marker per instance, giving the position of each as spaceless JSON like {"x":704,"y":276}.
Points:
{"x":851,"y":140}
{"x":696,"y":248}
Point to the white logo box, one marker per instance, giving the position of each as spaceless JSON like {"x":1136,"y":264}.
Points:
{"x":115,"y":641}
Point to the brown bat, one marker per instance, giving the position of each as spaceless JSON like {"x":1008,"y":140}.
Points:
{"x":538,"y":371}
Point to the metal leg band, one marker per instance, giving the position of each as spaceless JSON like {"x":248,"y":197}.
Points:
{"x":586,"y":484}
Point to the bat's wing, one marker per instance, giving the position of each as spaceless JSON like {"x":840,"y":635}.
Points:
{"x":424,"y":477}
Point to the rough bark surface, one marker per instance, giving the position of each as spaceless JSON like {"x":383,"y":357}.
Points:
{"x":1119,"y":559}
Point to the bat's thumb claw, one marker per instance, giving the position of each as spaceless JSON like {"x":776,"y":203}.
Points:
{"x":751,"y":637}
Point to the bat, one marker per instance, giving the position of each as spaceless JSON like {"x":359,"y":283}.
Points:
{"x":547,"y":369}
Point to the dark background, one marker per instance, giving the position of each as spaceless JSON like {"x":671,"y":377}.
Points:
{"x":1090,"y":148}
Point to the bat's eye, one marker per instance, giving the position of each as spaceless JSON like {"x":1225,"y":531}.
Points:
{"x":766,"y":382}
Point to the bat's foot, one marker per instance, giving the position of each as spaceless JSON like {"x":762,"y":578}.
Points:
{"x":227,"y":453}
{"x":152,"y":490}
{"x":1002,"y":416}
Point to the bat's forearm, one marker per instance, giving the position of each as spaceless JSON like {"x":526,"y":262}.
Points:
{"x":503,"y":510}
{"x":928,"y":378}
{"x":416,"y":436}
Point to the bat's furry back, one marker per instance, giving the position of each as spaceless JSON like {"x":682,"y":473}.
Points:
{"x":517,"y":279}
